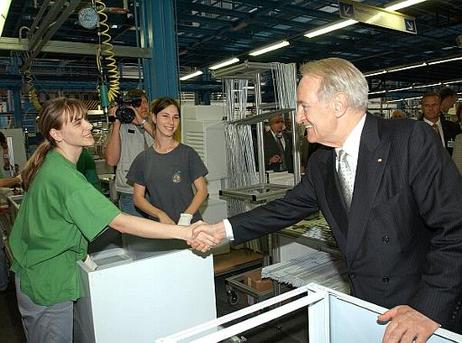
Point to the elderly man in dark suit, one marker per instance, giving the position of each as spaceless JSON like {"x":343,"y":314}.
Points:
{"x":391,"y":196}
{"x":278,"y":147}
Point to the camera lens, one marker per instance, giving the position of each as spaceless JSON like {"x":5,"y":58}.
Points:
{"x":125,"y":115}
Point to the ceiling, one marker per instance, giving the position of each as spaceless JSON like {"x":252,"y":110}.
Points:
{"x":210,"y":31}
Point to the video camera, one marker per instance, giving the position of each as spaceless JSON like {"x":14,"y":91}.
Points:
{"x":124,"y":113}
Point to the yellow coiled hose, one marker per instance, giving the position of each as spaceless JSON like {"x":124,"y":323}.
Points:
{"x":30,"y":90}
{"x":106,"y":50}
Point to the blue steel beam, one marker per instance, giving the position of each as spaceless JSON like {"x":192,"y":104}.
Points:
{"x":158,"y":32}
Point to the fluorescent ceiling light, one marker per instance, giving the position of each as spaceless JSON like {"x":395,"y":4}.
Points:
{"x":269,"y":48}
{"x":4,"y":8}
{"x":402,"y":99}
{"x":378,"y":92}
{"x":375,"y":73}
{"x":428,"y":85}
{"x":400,"y":89}
{"x":336,"y":26}
{"x":418,"y":65}
{"x":446,"y":60}
{"x":452,"y":82}
{"x":403,"y":4}
{"x":412,"y":66}
{"x":224,"y":63}
{"x":190,"y":76}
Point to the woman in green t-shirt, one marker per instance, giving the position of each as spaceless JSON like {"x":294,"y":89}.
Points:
{"x":60,"y":213}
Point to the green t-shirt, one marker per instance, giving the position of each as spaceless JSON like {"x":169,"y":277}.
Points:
{"x":87,"y":166}
{"x":61,"y":212}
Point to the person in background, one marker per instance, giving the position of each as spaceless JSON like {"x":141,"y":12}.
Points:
{"x":278,"y":147}
{"x":60,"y":213}
{"x":398,"y":114}
{"x":459,"y":114}
{"x":124,"y":143}
{"x":5,"y":182}
{"x":448,"y":98}
{"x":445,"y":130}
{"x":457,"y":152}
{"x":391,"y":196}
{"x":168,"y":171}
{"x":87,"y":166}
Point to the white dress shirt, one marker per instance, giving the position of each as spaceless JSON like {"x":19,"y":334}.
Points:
{"x":350,"y":146}
{"x":440,"y":128}
{"x":283,"y":141}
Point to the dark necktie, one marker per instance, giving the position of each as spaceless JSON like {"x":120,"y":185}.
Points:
{"x":345,"y":177}
{"x":282,"y":166}
{"x":437,"y":130}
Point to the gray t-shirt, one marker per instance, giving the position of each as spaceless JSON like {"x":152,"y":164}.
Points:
{"x":133,"y":140}
{"x":168,"y":178}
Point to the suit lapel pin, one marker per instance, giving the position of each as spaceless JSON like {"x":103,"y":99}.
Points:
{"x":379,"y":160}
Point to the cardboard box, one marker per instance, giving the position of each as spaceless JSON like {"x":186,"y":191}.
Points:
{"x":255,"y":281}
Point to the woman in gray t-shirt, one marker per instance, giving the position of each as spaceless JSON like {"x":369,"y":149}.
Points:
{"x":167,"y":171}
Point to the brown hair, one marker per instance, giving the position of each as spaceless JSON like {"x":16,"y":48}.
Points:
{"x":430,"y":94}
{"x":53,"y":115}
{"x":162,"y":103}
{"x":137,"y":93}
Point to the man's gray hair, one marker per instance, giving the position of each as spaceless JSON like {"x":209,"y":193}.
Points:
{"x":339,"y":75}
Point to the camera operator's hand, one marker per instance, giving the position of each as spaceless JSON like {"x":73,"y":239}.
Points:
{"x":138,"y":120}
{"x":112,"y":111}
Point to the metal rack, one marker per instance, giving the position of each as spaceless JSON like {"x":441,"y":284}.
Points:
{"x":262,"y":191}
{"x":259,"y":193}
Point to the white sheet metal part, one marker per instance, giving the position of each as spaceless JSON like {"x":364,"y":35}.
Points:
{"x":334,"y":317}
{"x":352,"y":320}
{"x":202,"y":328}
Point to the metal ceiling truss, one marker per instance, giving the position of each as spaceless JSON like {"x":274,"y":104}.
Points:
{"x":210,"y":31}
{"x":42,"y":30}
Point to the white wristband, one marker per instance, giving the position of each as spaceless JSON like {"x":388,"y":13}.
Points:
{"x":185,"y":219}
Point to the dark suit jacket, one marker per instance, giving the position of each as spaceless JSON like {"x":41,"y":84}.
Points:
{"x":271,"y":148}
{"x":402,"y":239}
{"x":450,"y":131}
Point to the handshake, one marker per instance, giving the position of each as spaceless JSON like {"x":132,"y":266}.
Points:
{"x":203,"y":236}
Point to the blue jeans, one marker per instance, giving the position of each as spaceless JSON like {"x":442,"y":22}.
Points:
{"x":126,"y":205}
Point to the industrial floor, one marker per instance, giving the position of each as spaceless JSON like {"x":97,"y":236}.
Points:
{"x":291,"y":329}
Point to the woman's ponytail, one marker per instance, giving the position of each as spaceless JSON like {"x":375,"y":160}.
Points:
{"x":34,"y":163}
